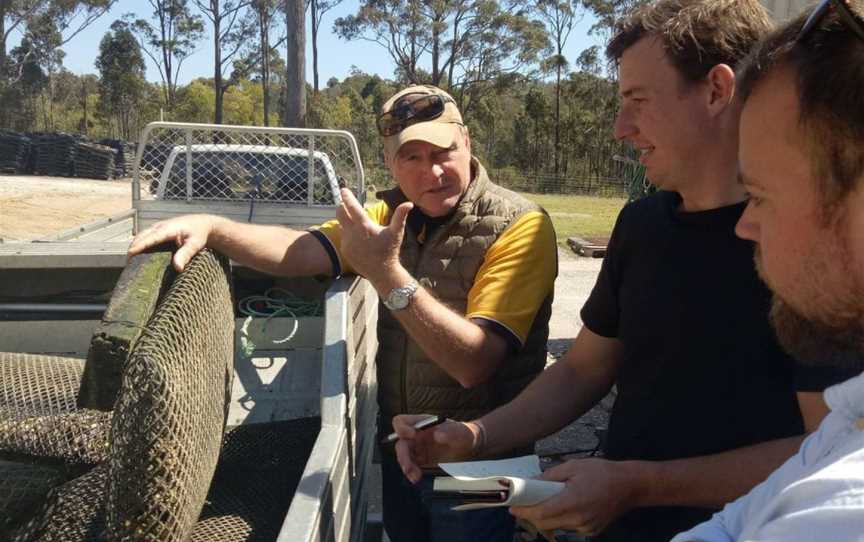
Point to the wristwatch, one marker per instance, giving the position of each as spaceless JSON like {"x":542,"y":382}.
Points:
{"x":400,"y":297}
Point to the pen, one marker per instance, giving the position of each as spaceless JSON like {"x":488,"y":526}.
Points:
{"x":425,"y":423}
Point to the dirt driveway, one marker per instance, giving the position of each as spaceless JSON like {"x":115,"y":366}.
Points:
{"x":33,"y":206}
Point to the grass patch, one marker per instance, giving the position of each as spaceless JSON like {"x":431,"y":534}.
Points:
{"x":588,"y":217}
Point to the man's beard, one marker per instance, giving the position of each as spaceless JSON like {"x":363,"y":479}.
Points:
{"x":814,"y":342}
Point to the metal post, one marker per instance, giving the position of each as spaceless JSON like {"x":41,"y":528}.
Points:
{"x":188,"y":165}
{"x":310,"y":171}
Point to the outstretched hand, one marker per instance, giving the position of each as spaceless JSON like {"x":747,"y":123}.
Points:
{"x":190,"y":233}
{"x":371,"y":250}
{"x":450,"y":441}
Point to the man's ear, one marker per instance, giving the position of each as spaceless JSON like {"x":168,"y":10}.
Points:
{"x":467,"y":138}
{"x":721,"y":88}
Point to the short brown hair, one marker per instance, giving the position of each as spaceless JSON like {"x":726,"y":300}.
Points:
{"x":696,"y":34}
{"x":828,"y":66}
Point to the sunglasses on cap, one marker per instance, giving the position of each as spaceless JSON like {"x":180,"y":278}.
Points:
{"x":424,"y":108}
{"x":847,"y":16}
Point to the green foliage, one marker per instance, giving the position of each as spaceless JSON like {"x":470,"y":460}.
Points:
{"x":20,"y":99}
{"x":241,"y":105}
{"x":467,"y":42}
{"x":232,"y":24}
{"x":195,"y":102}
{"x":121,"y":68}
{"x":25,"y":72}
{"x":582,"y":216}
{"x":66,"y":18}
{"x":541,"y":122}
{"x":168,"y":40}
{"x":609,"y":11}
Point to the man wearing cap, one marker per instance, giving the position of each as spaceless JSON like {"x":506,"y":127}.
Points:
{"x":465,"y":270}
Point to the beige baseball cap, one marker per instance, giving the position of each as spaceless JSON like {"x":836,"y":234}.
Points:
{"x":440,"y":131}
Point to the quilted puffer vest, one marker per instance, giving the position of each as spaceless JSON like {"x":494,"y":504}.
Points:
{"x":446,"y":265}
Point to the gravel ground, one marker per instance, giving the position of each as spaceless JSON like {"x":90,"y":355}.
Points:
{"x":576,"y":277}
{"x":32,"y":206}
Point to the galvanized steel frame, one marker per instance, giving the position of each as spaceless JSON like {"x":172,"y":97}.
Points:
{"x":276,"y":213}
{"x":330,"y":501}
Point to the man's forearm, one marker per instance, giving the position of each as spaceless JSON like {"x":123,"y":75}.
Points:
{"x":708,"y":481}
{"x":559,"y":395}
{"x":554,"y":399}
{"x":466,"y":351}
{"x":274,"y":250}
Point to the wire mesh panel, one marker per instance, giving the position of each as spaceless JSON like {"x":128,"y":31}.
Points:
{"x":170,"y":413}
{"x":259,"y":469}
{"x":34,"y":385}
{"x":156,"y":464}
{"x":199,"y":162}
{"x":38,"y":415}
{"x":23,"y":487}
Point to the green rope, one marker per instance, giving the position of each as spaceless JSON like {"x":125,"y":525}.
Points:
{"x":274,"y":303}
{"x":637,"y":183}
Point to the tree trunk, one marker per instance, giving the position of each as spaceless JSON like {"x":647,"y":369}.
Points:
{"x":217,"y":64}
{"x":314,"y":7}
{"x":490,"y":142}
{"x":124,"y":124}
{"x":264,"y":27}
{"x":167,"y":62}
{"x":295,"y":60}
{"x":4,"y":7}
{"x":5,"y":114}
{"x":84,"y":106}
{"x":557,"y":114}
{"x":436,"y":54}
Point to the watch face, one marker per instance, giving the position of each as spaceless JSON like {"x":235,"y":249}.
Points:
{"x":399,"y":299}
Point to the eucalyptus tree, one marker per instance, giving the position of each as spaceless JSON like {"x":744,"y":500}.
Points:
{"x":231,"y":29}
{"x":294,"y":94}
{"x":168,"y":39}
{"x":559,"y":17}
{"x":44,"y":27}
{"x":397,"y":26}
{"x":468,"y":44}
{"x":318,"y":8}
{"x":121,"y":77}
{"x":263,"y":12}
{"x":69,"y":17}
{"x":608,"y":12}
{"x":20,"y":101}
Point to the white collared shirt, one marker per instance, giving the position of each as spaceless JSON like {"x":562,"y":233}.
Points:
{"x":817,"y":495}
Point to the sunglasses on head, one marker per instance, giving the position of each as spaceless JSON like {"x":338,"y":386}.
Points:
{"x":847,"y":16}
{"x":411,"y":111}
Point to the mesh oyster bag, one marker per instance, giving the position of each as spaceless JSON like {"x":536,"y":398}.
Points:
{"x":163,"y":435}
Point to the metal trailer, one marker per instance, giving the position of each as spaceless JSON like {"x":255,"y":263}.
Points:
{"x":327,"y":368}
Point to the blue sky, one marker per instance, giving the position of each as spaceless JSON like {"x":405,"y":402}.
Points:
{"x":336,"y":57}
